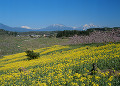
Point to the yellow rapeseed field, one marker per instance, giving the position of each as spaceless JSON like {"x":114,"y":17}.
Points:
{"x":62,"y":66}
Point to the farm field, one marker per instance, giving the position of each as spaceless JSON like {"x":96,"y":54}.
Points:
{"x":60,"y":65}
{"x":11,"y":45}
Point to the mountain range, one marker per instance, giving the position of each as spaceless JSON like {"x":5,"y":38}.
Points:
{"x":54,"y":27}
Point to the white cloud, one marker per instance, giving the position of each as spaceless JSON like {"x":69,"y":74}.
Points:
{"x":25,"y":27}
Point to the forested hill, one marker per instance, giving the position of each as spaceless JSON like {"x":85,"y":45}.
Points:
{"x":102,"y":29}
{"x":70,"y":33}
{"x":4,"y":32}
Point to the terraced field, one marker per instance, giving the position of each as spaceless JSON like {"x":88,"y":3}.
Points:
{"x":63,"y":66}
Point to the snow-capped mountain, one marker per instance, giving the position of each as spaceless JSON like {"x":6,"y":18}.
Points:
{"x":54,"y":27}
{"x":87,"y":26}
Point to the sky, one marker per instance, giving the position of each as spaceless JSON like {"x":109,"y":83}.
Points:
{"x":42,"y":13}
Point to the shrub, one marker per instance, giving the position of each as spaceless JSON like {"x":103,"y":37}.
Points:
{"x":31,"y":54}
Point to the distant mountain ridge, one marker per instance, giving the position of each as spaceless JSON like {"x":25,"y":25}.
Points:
{"x":14,"y":29}
{"x":54,"y":27}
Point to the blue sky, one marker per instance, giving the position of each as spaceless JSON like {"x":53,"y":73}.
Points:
{"x":42,"y":13}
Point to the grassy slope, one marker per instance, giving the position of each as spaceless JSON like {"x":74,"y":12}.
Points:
{"x":11,"y":45}
{"x":64,"y":65}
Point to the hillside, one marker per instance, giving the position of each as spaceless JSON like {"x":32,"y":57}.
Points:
{"x":63,"y":65}
{"x":97,"y":36}
{"x":15,"y":44}
{"x":4,"y":32}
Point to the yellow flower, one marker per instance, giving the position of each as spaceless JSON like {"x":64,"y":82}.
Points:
{"x":94,"y":84}
{"x":83,"y":84}
{"x":74,"y":84}
{"x":111,"y":78}
{"x":77,"y":75}
{"x":57,"y":67}
{"x":109,"y":84}
{"x":103,"y":74}
{"x":97,"y":77}
{"x":82,"y":79}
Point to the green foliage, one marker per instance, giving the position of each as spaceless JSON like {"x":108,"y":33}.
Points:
{"x":102,"y":29}
{"x":69,"y":33}
{"x":38,"y":33}
{"x":31,"y":54}
{"x":4,"y":32}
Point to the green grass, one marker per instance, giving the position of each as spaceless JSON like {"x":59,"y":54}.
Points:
{"x":11,"y":45}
